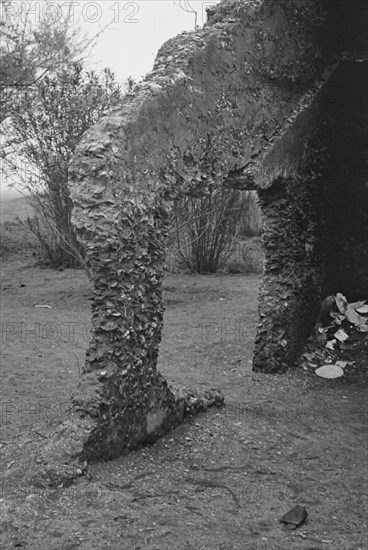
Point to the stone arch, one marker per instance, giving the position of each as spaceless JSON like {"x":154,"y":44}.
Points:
{"x":233,"y":104}
{"x":203,"y":113}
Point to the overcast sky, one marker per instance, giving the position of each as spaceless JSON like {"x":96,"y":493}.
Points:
{"x":132,"y":32}
{"x":137,"y":29}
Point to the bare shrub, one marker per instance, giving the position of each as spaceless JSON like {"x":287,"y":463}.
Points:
{"x":205,"y":229}
{"x":45,"y":126}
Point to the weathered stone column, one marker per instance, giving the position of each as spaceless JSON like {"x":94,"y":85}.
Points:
{"x":291,"y":284}
{"x":315,"y":223}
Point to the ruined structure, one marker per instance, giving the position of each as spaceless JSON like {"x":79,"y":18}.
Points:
{"x":269,"y":95}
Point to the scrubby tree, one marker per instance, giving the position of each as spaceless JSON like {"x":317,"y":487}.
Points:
{"x":46,"y":123}
{"x":35,"y":44}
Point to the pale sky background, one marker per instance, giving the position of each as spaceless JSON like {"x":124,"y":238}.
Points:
{"x":135,"y":32}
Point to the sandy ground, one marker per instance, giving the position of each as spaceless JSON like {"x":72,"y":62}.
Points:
{"x":220,"y":481}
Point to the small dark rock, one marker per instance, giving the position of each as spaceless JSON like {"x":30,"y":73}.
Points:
{"x":294,"y":517}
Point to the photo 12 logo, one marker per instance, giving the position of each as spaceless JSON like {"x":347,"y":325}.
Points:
{"x":214,"y":332}
{"x":125,"y":12}
{"x":14,"y":169}
{"x":35,"y":11}
{"x":51,"y":333}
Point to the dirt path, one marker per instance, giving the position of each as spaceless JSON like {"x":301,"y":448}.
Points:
{"x":220,"y":481}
